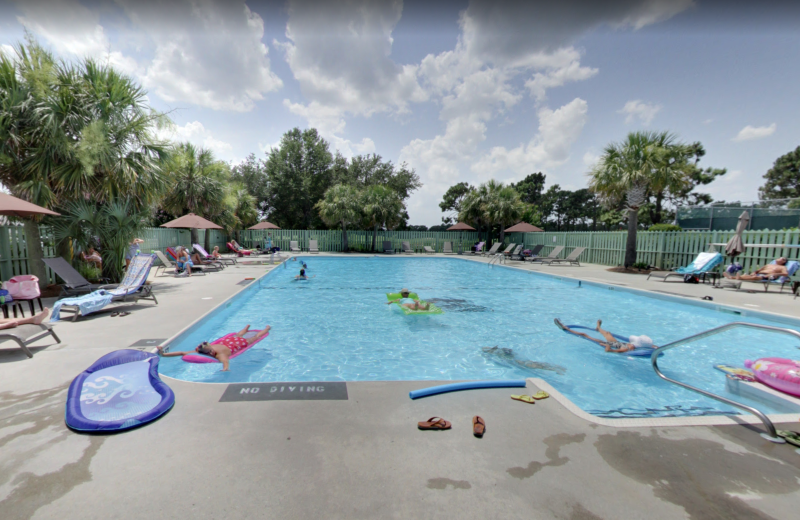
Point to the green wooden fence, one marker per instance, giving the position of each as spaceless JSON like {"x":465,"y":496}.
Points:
{"x":664,"y":249}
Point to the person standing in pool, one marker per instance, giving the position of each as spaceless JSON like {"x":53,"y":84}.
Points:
{"x":222,"y":348}
{"x":406,"y":301}
{"x":303,"y":275}
{"x":611,"y":344}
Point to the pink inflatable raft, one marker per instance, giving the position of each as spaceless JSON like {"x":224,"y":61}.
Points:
{"x":778,"y":373}
{"x":200,"y":358}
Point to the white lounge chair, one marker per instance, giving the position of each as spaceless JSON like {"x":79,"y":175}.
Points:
{"x":429,"y":250}
{"x":293,"y":247}
{"x":313,"y":247}
{"x":406,"y":247}
{"x":447,"y":248}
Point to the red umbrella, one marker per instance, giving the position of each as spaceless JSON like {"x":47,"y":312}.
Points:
{"x":523,"y":227}
{"x":12,"y":206}
{"x":191,"y":221}
{"x":264,"y":225}
{"x":460,"y":227}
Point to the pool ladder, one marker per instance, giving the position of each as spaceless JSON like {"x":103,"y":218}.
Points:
{"x":771,"y":434}
{"x":497,"y":259}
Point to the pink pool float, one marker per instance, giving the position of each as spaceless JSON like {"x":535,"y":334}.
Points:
{"x":200,"y":358}
{"x":778,"y":373}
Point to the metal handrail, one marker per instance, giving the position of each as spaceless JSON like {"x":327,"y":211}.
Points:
{"x":772,"y":434}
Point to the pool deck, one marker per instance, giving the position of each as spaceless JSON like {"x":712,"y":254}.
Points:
{"x":364,"y":457}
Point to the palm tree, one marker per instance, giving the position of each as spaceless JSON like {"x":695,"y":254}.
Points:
{"x":628,"y":170}
{"x":196,"y":183}
{"x":381,"y":205}
{"x":473,"y":208}
{"x":506,"y":208}
{"x":340,"y":205}
{"x":74,"y":131}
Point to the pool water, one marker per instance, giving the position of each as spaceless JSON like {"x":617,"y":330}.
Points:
{"x":338,"y":327}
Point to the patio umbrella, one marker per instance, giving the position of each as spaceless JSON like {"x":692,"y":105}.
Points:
{"x":523,"y":227}
{"x":735,"y":245}
{"x":191,"y":221}
{"x":264,"y":225}
{"x":460,"y":227}
{"x":14,"y":207}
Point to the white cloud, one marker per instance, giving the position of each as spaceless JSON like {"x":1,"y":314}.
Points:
{"x":749,"y":133}
{"x":590,"y":159}
{"x":558,"y":130}
{"x":638,"y":109}
{"x":540,"y":82}
{"x":197,"y":134}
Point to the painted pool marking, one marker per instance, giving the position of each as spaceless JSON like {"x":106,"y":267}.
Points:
{"x":149,"y":342}
{"x":295,"y":391}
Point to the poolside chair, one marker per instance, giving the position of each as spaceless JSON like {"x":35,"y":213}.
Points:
{"x":791,"y":267}
{"x":571,"y":259}
{"x":517,"y":253}
{"x":507,"y":251}
{"x":24,"y":335}
{"x":239,"y":251}
{"x":492,"y":250}
{"x":552,"y":256}
{"x":293,"y":247}
{"x":533,"y":254}
{"x":429,"y":250}
{"x":447,"y":248}
{"x":406,"y":247}
{"x":701,"y":265}
{"x":205,"y":256}
{"x":313,"y":247}
{"x":387,"y":247}
{"x":132,"y":288}
{"x":74,"y":282}
{"x":166,"y":264}
{"x":478,"y":249}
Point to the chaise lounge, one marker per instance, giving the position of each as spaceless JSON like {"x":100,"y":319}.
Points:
{"x":701,"y":265}
{"x":571,"y":259}
{"x":24,"y":335}
{"x":406,"y":247}
{"x":552,"y":256}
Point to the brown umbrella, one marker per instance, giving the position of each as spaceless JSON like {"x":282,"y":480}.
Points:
{"x":264,"y":225}
{"x":735,"y":245}
{"x":461,"y":227}
{"x":14,"y":207}
{"x":523,"y":227}
{"x":191,"y":221}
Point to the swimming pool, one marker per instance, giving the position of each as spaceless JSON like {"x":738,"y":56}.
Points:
{"x":337,"y":327}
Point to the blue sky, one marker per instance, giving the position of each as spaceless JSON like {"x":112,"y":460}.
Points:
{"x":461,"y":90}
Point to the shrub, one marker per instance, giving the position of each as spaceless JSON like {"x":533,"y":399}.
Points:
{"x":641,"y":265}
{"x":665,"y":227}
{"x":89,"y":271}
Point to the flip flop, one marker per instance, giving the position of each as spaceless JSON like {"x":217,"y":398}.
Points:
{"x":478,"y":426}
{"x":541,"y":394}
{"x":123,"y":314}
{"x":524,"y":398}
{"x":434,"y":423}
{"x":790,"y":436}
{"x":115,"y":314}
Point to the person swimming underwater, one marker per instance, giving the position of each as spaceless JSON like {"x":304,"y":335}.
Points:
{"x":507,"y":355}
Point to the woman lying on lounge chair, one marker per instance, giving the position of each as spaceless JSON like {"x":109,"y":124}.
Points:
{"x":223,"y":348}
{"x":611,"y":344}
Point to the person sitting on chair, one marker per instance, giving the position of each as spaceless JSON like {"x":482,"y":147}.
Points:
{"x":406,"y":301}
{"x":766,"y":273}
{"x":184,"y":262}
{"x":611,"y":344}
{"x":215,"y":253}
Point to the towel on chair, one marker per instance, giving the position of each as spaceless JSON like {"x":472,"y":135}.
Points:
{"x":87,"y":304}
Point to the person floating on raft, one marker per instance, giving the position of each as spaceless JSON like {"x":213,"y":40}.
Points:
{"x":406,"y":301}
{"x":611,"y":344}
{"x":222,"y":349}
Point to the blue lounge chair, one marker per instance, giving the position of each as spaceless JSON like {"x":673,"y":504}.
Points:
{"x":132,"y":289}
{"x":791,"y":267}
{"x":701,"y":265}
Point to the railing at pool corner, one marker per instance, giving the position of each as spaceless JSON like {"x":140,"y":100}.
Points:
{"x":772,"y":434}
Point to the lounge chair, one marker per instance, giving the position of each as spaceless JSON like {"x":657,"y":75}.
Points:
{"x":205,"y":256}
{"x":406,"y":247}
{"x":791,"y":267}
{"x":492,"y":250}
{"x":701,"y":265}
{"x":239,"y":251}
{"x":166,"y":264}
{"x":447,"y":248}
{"x":313,"y":247}
{"x":552,"y":256}
{"x":517,"y":253}
{"x":534,"y":253}
{"x":478,"y":249}
{"x":293,"y":247}
{"x":24,"y":335}
{"x":571,"y":259}
{"x":74,"y":282}
{"x":387,"y":247}
{"x":429,"y":250}
{"x":132,"y":288}
{"x":507,"y":251}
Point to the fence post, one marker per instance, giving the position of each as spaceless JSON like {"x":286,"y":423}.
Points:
{"x":5,"y":255}
{"x":591,"y":247}
{"x":660,"y":252}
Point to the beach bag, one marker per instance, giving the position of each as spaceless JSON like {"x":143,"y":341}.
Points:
{"x":690,"y":278}
{"x":733,"y":268}
{"x":5,"y":297}
{"x":23,"y":287}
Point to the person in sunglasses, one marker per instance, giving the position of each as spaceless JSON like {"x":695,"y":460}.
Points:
{"x":222,"y":348}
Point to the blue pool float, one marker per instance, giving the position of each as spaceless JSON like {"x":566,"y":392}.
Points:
{"x":470,"y":385}
{"x":639,"y":352}
{"x":121,"y":390}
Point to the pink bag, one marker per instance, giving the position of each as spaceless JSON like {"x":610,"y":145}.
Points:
{"x":23,"y":287}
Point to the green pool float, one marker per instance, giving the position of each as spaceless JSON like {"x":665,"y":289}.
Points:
{"x":433,"y":309}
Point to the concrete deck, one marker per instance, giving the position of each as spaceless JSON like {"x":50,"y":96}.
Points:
{"x":364,"y":457}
